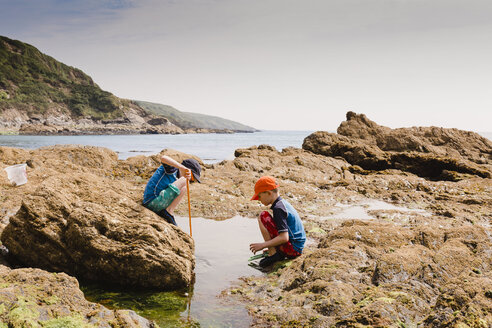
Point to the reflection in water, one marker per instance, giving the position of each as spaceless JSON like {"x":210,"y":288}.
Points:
{"x":222,"y":252}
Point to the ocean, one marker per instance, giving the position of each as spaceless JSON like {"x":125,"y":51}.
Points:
{"x":210,"y":147}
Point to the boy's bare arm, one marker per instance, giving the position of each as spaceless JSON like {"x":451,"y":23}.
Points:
{"x":282,"y":238}
{"x":183,"y":170}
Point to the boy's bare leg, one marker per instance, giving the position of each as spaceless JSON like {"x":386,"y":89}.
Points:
{"x":266,"y":237}
{"x":181,"y":185}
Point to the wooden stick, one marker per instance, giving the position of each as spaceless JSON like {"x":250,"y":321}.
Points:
{"x":189,"y":203}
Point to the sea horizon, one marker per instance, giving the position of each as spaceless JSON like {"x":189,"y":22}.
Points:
{"x":210,"y":147}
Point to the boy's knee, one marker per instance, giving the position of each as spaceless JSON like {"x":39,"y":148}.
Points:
{"x":180,"y":183}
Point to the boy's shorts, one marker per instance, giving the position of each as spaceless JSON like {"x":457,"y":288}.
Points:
{"x":268,"y":223}
{"x":164,"y":199}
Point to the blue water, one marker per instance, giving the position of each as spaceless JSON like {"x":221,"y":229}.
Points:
{"x":210,"y":147}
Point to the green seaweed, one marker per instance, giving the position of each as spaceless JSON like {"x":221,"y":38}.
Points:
{"x":165,"y":308}
{"x":75,"y":321}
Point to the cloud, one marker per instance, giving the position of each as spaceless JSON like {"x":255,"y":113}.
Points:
{"x":50,"y":18}
{"x":399,"y":61}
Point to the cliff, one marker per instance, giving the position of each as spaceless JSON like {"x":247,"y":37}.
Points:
{"x":40,"y":95}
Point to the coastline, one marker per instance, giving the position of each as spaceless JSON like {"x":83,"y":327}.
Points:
{"x":415,"y":249}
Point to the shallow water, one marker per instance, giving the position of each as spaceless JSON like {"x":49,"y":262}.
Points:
{"x":361,"y":210}
{"x":222,"y":252}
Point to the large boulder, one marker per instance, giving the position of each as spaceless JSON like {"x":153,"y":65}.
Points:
{"x":95,"y":228}
{"x":36,"y":298}
{"x":437,"y":153}
{"x":437,"y":140}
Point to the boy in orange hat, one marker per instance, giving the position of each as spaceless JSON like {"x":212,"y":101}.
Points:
{"x":283,"y":233}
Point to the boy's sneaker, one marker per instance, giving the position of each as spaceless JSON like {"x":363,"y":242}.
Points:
{"x":269,"y":260}
{"x":167,"y":216}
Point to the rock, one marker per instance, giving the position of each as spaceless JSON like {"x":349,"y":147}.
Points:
{"x":35,"y":298}
{"x":436,"y":140}
{"x":385,"y":277}
{"x":158,"y":121}
{"x":90,"y":227}
{"x":38,"y":129}
{"x":437,"y":153}
{"x":352,"y":273}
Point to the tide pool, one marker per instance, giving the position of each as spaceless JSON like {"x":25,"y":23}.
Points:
{"x":222,"y":252}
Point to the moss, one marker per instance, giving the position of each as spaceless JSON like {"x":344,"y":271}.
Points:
{"x":366,"y":301}
{"x":4,"y":95}
{"x":317,"y":230}
{"x":294,"y":324}
{"x":280,"y":265}
{"x":401,"y":296}
{"x":51,"y":300}
{"x":386,"y":300}
{"x":461,"y":325}
{"x":23,"y":315}
{"x":2,"y":308}
{"x":75,"y":321}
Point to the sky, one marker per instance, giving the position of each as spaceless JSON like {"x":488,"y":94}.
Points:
{"x":278,"y":64}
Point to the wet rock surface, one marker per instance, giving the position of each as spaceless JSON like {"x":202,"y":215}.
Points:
{"x":36,"y":298}
{"x":387,"y":247}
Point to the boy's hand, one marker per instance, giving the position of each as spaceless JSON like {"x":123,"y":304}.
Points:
{"x":256,"y":247}
{"x":185,"y":173}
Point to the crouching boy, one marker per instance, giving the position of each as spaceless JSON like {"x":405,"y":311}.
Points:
{"x":167,"y":186}
{"x":283,"y":233}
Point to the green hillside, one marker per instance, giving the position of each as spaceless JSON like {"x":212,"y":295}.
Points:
{"x":187,"y":120}
{"x":34,"y":82}
{"x":38,"y":85}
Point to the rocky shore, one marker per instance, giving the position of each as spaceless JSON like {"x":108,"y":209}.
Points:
{"x":13,"y":121}
{"x":422,"y":260}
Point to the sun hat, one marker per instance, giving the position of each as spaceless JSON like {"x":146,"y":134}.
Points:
{"x":264,"y":183}
{"x":194,"y":166}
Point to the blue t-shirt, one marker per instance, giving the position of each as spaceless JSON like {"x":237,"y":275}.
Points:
{"x":162,"y":177}
{"x":286,"y":218}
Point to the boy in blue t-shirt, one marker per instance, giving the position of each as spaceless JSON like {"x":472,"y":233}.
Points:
{"x":166,"y":187}
{"x":283,"y":233}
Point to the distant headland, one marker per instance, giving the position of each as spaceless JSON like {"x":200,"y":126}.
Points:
{"x":42,"y":96}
